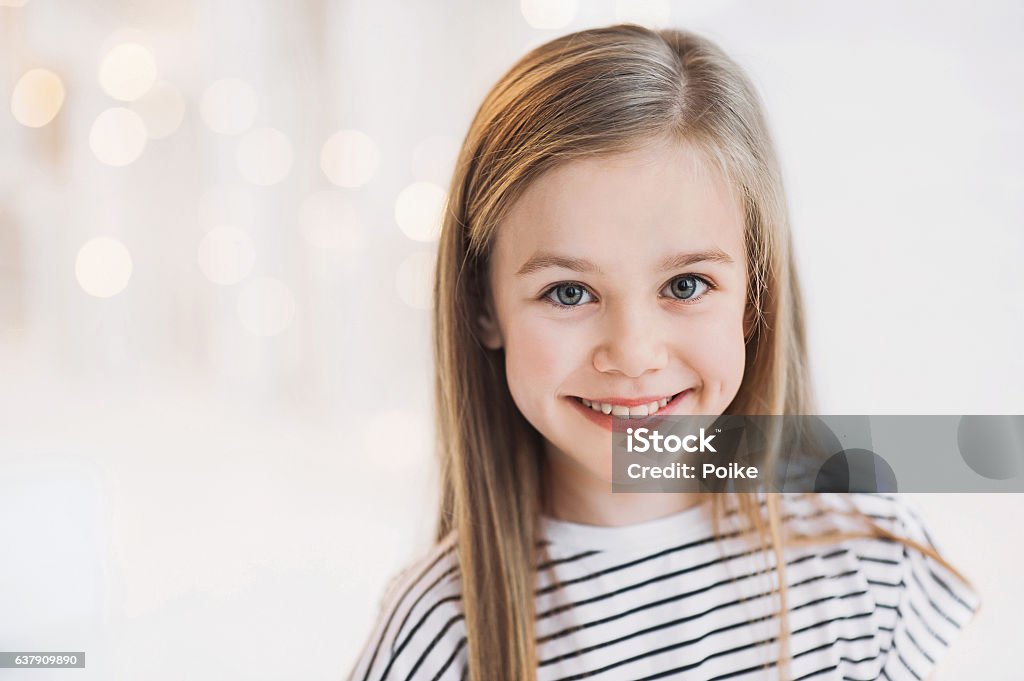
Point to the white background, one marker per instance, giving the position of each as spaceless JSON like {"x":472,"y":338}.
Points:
{"x":182,"y":497}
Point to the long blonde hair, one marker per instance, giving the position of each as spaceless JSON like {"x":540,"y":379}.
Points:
{"x":594,"y":92}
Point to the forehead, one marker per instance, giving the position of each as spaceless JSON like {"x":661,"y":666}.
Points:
{"x":632,"y":206}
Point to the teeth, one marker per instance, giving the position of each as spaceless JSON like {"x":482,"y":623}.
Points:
{"x":639,"y":411}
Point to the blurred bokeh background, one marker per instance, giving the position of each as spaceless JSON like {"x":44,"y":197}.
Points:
{"x":217,"y":227}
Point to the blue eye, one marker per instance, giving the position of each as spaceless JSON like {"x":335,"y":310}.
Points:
{"x":569,"y":294}
{"x":687,"y":287}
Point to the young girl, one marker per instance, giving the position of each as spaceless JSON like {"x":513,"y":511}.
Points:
{"x":616,"y":244}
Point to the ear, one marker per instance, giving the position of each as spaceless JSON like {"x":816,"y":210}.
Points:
{"x":487,"y":328}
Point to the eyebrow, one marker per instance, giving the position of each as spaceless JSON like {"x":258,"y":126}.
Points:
{"x":541,"y":261}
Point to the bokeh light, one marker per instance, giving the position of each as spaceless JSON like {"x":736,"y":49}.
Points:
{"x":328,"y":220}
{"x":418,"y":210}
{"x":265,"y":306}
{"x":127,"y":71}
{"x":161,"y":109}
{"x":349,"y":158}
{"x":118,"y":136}
{"x":415,"y":280}
{"x":650,"y":13}
{"x":228,"y":106}
{"x":548,"y":14}
{"x":103,"y":266}
{"x":37,"y":98}
{"x":433,"y":159}
{"x":264,"y":156}
{"x":226,"y":255}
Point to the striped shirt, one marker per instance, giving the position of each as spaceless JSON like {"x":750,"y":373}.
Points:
{"x":664,"y":599}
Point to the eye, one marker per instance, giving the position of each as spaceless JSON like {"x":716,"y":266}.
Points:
{"x":569,"y":294}
{"x":688,"y":287}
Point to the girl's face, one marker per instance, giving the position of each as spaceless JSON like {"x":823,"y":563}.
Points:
{"x":619,"y":281}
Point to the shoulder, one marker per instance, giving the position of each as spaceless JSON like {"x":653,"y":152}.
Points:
{"x":906,"y":540}
{"x":419,"y":631}
{"x":921,"y":604}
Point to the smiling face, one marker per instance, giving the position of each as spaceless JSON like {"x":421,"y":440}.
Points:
{"x":619,"y":284}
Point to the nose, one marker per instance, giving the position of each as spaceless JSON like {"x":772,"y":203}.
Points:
{"x":633,"y":343}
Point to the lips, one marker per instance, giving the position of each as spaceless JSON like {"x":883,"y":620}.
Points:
{"x":620,"y":408}
{"x":628,"y":408}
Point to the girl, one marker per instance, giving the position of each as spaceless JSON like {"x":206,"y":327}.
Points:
{"x":616,"y":244}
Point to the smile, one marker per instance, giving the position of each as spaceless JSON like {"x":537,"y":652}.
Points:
{"x":635,"y":409}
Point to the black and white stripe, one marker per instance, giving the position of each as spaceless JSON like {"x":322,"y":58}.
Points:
{"x":666,"y":599}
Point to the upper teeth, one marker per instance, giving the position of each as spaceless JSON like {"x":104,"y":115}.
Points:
{"x":625,"y":412}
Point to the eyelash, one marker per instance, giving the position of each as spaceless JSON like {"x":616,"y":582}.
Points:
{"x":546,"y":295}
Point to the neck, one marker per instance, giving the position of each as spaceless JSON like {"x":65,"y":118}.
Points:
{"x":577,"y":495}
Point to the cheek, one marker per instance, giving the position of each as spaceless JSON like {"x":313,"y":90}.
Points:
{"x":536,"y":357}
{"x":718,"y":353}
